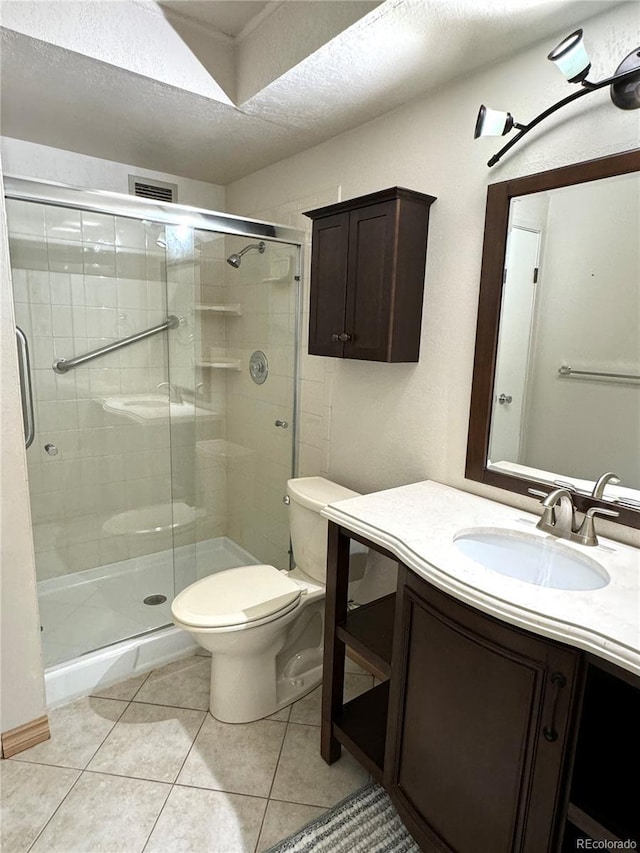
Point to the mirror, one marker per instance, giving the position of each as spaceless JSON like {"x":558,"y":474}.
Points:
{"x":556,"y":384}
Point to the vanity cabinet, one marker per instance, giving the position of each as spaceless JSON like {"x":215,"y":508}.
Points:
{"x":479,"y":726}
{"x":488,"y":738}
{"x":367,"y":276}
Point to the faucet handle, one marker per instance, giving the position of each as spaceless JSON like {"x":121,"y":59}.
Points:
{"x":563,"y":484}
{"x":586,"y":535}
{"x":538,"y":493}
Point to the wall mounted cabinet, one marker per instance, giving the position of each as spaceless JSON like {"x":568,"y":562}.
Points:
{"x":367,"y":276}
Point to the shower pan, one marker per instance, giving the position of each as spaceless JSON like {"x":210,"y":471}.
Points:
{"x":153,"y":458}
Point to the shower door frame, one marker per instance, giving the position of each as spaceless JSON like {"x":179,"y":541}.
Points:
{"x":133,"y":207}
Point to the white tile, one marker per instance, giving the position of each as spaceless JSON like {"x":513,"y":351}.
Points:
{"x":77,"y":730}
{"x":239,"y":758}
{"x":98,"y":228}
{"x":149,"y":742}
{"x":217,"y":823}
{"x":40,"y":321}
{"x":104,"y":813}
{"x":60,"y":284}
{"x":129,"y":232}
{"x":30,"y":793}
{"x":38,"y":287}
{"x":303,"y":777}
{"x":25,"y":217}
{"x":182,"y":684}
{"x":62,"y":223}
{"x":284,"y":819}
{"x":64,"y":257}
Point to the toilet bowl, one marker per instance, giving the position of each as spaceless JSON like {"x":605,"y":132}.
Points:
{"x":263,"y":626}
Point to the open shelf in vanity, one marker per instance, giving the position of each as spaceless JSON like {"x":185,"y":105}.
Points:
{"x":361,"y":724}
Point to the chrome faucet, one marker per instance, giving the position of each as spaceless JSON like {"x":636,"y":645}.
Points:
{"x":175,"y":394}
{"x":601,"y":482}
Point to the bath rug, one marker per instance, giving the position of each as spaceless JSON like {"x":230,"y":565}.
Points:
{"x":365,"y":822}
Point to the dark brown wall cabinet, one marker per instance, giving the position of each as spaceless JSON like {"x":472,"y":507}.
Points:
{"x":489,"y":739}
{"x":367,"y":276}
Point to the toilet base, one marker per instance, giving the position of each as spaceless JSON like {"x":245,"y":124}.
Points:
{"x":256,"y":673}
{"x":252,"y":690}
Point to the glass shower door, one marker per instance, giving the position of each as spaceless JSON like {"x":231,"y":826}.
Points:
{"x":99,"y":465}
{"x":234,"y":358}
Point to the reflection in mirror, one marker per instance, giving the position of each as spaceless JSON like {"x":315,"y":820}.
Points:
{"x":566,"y":399}
{"x":556,"y":377}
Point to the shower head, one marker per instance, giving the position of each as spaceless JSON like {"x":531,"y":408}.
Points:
{"x":235,"y":259}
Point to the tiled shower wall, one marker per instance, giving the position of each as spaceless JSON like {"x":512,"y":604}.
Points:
{"x":81,"y":280}
{"x":316,"y":373}
{"x":259,"y":453}
{"x":194,"y":278}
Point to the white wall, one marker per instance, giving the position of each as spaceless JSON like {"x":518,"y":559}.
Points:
{"x":393,"y":424}
{"x":589,"y":308}
{"x":29,"y":160}
{"x":22,"y":693}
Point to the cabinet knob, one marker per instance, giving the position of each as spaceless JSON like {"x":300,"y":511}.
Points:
{"x":341,"y":337}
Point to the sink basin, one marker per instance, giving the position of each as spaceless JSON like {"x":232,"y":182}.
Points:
{"x":543,"y":562}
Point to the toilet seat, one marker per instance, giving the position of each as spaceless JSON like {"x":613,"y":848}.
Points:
{"x":236,"y":597}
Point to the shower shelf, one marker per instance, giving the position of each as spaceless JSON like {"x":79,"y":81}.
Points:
{"x":234,"y":309}
{"x":221,"y":364}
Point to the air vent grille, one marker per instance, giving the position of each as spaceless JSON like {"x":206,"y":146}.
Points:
{"x":156,"y":190}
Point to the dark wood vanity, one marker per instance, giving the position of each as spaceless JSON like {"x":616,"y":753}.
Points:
{"x":488,"y":738}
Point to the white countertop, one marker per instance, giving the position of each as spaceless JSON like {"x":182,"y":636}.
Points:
{"x":418,"y":523}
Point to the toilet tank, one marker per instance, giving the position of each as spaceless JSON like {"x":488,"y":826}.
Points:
{"x":308,"y":496}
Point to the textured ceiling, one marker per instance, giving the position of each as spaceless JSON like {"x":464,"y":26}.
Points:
{"x":279,"y":88}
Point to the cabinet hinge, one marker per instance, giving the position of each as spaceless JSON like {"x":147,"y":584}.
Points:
{"x":536,"y":270}
{"x":297,"y":278}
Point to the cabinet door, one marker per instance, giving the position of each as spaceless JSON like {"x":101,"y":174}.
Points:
{"x":328,"y":284}
{"x":478,"y":727}
{"x":370,"y":281}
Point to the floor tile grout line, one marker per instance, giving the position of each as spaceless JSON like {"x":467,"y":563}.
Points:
{"x":115,"y":723}
{"x":273,"y":779}
{"x":57,"y":808}
{"x":155,"y":823}
{"x":193,"y":743}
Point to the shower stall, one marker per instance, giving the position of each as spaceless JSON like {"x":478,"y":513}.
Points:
{"x":158,"y":350}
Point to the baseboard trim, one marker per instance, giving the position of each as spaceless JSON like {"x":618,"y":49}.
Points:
{"x":24,"y":736}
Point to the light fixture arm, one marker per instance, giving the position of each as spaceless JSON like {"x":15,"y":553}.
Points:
{"x":624,"y":77}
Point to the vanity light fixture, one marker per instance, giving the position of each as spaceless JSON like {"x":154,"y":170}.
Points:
{"x":571,"y":57}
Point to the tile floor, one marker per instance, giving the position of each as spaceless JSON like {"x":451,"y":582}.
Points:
{"x":142,"y":766}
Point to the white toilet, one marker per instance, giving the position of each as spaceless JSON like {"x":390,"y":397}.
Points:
{"x":265,"y":627}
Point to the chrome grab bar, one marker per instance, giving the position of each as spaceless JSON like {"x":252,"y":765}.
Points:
{"x":26,"y":393}
{"x":566,"y":370}
{"x":62,"y":365}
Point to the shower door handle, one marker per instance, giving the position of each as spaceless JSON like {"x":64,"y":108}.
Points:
{"x":26,"y":393}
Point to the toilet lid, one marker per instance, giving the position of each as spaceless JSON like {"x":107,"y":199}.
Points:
{"x":235,"y":597}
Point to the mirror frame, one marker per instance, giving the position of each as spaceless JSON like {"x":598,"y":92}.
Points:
{"x":499,"y":197}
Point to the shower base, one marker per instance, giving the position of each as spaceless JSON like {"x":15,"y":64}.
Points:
{"x":96,"y":628}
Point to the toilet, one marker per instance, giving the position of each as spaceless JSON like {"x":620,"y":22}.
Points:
{"x":263,"y":626}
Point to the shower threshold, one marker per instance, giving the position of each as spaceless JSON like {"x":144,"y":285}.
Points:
{"x":98,"y":630}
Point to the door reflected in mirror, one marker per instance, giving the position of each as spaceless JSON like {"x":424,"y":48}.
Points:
{"x":556,"y":379}
{"x":571,"y":299}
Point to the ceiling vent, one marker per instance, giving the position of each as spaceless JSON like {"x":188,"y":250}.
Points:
{"x":156,"y":190}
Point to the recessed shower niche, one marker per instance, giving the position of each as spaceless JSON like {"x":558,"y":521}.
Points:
{"x":169,"y":464}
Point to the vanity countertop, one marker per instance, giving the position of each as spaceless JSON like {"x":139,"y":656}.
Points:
{"x":418,"y":523}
